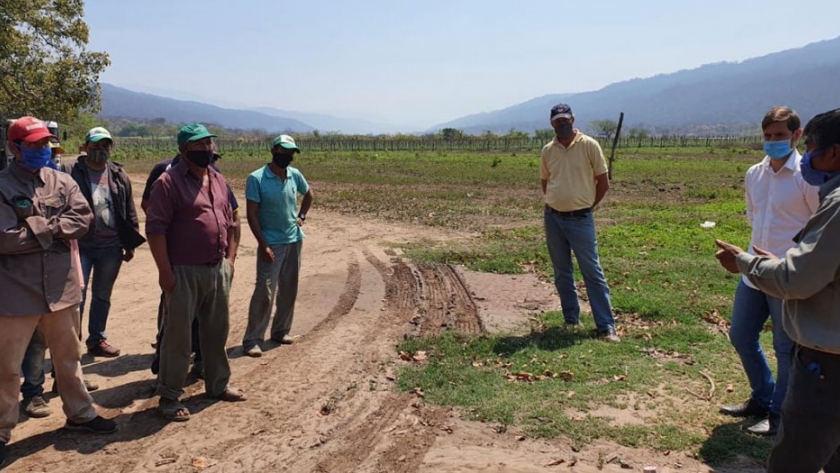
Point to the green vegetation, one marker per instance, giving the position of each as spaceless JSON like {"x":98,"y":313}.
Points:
{"x":671,"y":298}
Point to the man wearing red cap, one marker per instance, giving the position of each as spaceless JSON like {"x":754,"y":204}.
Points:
{"x":41,"y":212}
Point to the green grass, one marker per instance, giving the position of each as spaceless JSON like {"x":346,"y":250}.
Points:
{"x":667,"y":289}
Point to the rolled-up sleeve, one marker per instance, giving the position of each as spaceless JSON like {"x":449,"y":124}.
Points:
{"x":805,"y":269}
{"x":160,"y":211}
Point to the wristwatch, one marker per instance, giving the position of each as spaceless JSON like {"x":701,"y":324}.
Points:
{"x":302,"y":216}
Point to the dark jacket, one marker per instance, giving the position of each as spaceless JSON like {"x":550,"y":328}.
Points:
{"x":128,"y":226}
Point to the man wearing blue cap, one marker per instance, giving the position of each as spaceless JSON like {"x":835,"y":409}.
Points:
{"x":574,"y":180}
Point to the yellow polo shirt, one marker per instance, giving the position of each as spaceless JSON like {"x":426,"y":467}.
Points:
{"x":571,"y":172}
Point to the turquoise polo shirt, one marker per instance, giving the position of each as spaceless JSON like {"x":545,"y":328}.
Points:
{"x":277,"y":201}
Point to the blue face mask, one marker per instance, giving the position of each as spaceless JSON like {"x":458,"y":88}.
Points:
{"x":777,"y":149}
{"x":811,"y":175}
{"x":35,"y":159}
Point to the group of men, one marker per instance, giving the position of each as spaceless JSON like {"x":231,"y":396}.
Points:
{"x":60,"y":228}
{"x":793,"y":207}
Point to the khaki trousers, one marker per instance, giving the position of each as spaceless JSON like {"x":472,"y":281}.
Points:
{"x":60,"y":329}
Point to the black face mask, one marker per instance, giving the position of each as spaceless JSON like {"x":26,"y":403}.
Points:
{"x":563,"y":132}
{"x":98,"y":156}
{"x":201,"y":159}
{"x":282,"y":160}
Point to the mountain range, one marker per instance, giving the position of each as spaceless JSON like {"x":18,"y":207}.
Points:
{"x":726,"y":97}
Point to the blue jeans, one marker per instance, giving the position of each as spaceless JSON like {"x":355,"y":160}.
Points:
{"x":749,"y":314}
{"x":32,"y":368}
{"x":565,"y":234}
{"x":105,"y":263}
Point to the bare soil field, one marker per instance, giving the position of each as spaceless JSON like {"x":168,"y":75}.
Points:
{"x":327,"y":403}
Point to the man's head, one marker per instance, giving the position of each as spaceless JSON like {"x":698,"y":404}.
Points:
{"x":562,"y":120}
{"x":195,"y":143}
{"x":283,"y":150}
{"x":822,"y":141}
{"x":98,"y":145}
{"x":29,"y":142}
{"x":781,"y":128}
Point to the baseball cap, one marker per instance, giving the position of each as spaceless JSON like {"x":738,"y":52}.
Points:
{"x":193,"y":132}
{"x":95,"y":135}
{"x":286,"y":141}
{"x":57,"y":147}
{"x":28,"y":129}
{"x":561,"y":110}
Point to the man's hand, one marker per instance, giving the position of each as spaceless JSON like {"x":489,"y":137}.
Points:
{"x":300,"y":222}
{"x":266,"y":254}
{"x":762,"y":252}
{"x":231,"y":261}
{"x":727,"y":254}
{"x":128,"y":255}
{"x":166,"y":280}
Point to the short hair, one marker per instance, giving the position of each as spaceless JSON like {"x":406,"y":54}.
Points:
{"x":823,"y":131}
{"x":781,"y":114}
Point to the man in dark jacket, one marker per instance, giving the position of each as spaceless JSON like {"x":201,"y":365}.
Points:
{"x":113,"y":237}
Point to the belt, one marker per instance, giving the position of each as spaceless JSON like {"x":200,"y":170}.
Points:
{"x":573,"y":213}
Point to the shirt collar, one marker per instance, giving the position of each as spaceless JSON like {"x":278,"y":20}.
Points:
{"x":790,"y":164}
{"x":25,"y":176}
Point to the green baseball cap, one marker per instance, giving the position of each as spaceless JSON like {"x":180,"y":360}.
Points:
{"x":193,"y":132}
{"x":95,"y":135}
{"x":286,"y":141}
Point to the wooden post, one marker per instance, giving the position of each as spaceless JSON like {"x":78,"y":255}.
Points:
{"x":615,"y":143}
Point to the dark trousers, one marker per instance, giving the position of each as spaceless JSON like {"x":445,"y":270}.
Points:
{"x":809,"y":436}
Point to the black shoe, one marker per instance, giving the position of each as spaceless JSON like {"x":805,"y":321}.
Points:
{"x":750,"y":408}
{"x":98,"y":425}
{"x":767,"y":427}
{"x":2,"y":454}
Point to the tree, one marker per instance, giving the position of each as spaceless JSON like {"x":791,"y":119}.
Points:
{"x":514,"y":134}
{"x":544,"y":134}
{"x":450,"y":134}
{"x":604,"y":128}
{"x":45,"y":69}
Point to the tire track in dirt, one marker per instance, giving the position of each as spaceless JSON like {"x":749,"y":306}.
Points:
{"x":446,"y":302}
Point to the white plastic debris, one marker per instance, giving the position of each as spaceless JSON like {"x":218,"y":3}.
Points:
{"x":707,"y":224}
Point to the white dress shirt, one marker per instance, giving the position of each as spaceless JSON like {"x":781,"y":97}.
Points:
{"x":778,"y":205}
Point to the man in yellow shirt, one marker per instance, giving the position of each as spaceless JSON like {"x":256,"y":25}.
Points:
{"x":574,"y":180}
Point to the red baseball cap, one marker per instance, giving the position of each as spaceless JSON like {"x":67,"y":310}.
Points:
{"x":29,"y":129}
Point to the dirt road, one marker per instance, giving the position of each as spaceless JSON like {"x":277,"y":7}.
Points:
{"x":326,"y":403}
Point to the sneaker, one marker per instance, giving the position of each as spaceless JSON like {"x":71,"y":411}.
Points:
{"x":750,"y":408}
{"x":609,"y":335}
{"x":254,"y":352}
{"x":284,"y":340}
{"x":104,"y":349}
{"x":98,"y":425}
{"x":36,"y":407}
{"x":91,"y":386}
{"x":571,"y":327}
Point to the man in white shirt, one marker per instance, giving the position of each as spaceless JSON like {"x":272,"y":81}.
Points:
{"x":779,"y":203}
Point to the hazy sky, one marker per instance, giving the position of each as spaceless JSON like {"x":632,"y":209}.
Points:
{"x":419,"y":63}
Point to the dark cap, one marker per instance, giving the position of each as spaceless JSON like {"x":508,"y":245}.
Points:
{"x":561,"y":110}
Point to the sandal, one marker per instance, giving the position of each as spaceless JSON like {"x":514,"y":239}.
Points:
{"x":231,"y":395}
{"x":172,"y":409}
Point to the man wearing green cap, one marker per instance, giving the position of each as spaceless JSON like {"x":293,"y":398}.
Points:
{"x":190,"y":227}
{"x":113,"y":236}
{"x":271,"y":194}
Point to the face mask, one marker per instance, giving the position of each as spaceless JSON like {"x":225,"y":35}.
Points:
{"x":282,"y":160}
{"x":564,"y":132}
{"x":35,"y":159}
{"x":777,"y":149}
{"x":200,"y":158}
{"x":811,"y":175}
{"x":98,"y":156}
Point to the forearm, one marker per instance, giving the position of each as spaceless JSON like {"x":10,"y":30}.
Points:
{"x":544,"y":185}
{"x":306,"y":204}
{"x":256,"y":230}
{"x":600,"y":192}
{"x":160,"y":252}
